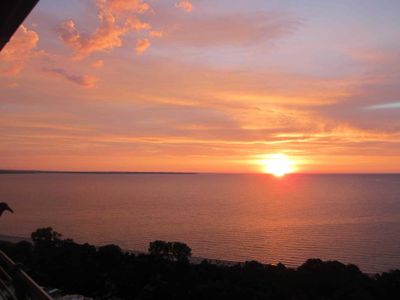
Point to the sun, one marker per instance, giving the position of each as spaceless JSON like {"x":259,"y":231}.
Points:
{"x":278,"y":165}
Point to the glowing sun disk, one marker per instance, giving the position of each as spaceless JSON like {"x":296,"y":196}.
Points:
{"x":278,"y":165}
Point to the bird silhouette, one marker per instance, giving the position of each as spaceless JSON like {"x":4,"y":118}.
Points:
{"x":3,"y":207}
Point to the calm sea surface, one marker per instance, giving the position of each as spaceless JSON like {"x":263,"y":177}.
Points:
{"x":351,"y":218}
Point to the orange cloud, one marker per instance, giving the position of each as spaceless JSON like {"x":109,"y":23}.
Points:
{"x":116,"y":6}
{"x":116,"y":18}
{"x":241,"y":29}
{"x":185,"y":5}
{"x":155,"y":33}
{"x":18,"y":51}
{"x":142,"y":45}
{"x":98,"y":64}
{"x":86,"y":81}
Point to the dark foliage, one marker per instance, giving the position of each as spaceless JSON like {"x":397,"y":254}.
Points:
{"x":108,"y":272}
{"x":172,"y":250}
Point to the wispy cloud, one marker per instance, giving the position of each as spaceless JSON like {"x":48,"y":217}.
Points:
{"x":185,"y":5}
{"x":86,"y":81}
{"x":239,"y":29}
{"x":155,"y":33}
{"x":98,"y":64}
{"x":18,"y":51}
{"x":385,"y":106}
{"x":116,"y":19}
{"x":142,"y":45}
{"x":226,"y":85}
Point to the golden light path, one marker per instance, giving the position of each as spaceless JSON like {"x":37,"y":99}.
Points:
{"x":278,"y":165}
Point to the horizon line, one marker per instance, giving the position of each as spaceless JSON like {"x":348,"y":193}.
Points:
{"x":34,"y":171}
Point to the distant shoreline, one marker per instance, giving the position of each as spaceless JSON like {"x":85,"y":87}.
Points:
{"x":93,"y":172}
{"x":193,"y":259}
{"x":11,"y":171}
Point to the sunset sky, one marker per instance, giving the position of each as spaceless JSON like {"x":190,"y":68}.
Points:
{"x":204,"y":86}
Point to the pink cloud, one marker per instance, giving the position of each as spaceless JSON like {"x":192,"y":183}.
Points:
{"x":86,"y":81}
{"x":155,"y":33}
{"x":18,"y":51}
{"x":116,"y":6}
{"x":116,"y":18}
{"x":185,"y":5}
{"x":98,"y":64}
{"x":142,"y":45}
{"x":230,"y":29}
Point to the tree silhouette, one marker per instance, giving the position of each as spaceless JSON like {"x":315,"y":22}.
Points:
{"x":107,"y":272}
{"x":173,"y":250}
{"x":180,"y":251}
{"x":159,"y":248}
{"x":46,"y":237}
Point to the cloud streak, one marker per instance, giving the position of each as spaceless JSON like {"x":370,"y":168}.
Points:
{"x":142,"y":45}
{"x":98,"y":64}
{"x":185,"y":5}
{"x":240,"y":29}
{"x":385,"y":106}
{"x":86,"y":81}
{"x":228,"y":83}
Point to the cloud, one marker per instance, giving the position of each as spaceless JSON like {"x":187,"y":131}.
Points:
{"x":86,"y":81}
{"x":142,"y":45}
{"x":166,"y":108}
{"x":19,"y":50}
{"x":116,"y":19}
{"x":185,"y":5}
{"x":98,"y":64}
{"x":240,"y":29}
{"x":155,"y":33}
{"x":385,"y":106}
{"x":372,"y":100}
{"x":12,"y":85}
{"x":124,"y":6}
{"x":209,"y":124}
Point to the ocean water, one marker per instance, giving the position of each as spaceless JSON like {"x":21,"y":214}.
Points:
{"x":351,"y":218}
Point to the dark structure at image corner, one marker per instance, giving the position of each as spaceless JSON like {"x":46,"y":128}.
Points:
{"x":12,"y":14}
